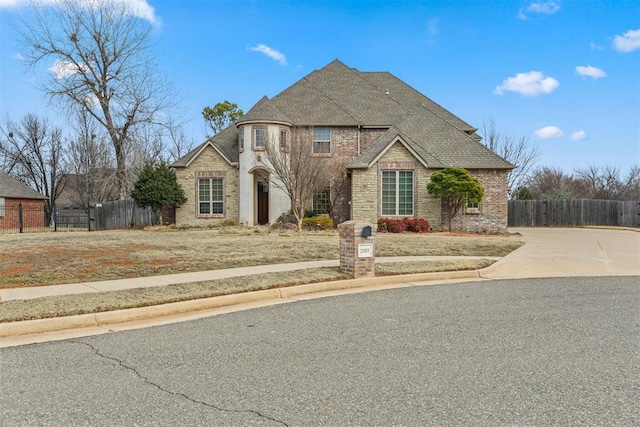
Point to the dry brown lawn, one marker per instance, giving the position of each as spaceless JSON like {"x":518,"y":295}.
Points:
{"x":54,"y":258}
{"x":58,"y":258}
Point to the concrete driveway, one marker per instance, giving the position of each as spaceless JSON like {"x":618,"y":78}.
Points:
{"x":566,"y":252}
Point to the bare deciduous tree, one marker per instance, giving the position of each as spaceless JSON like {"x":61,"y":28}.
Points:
{"x":553,"y":183}
{"x":519,"y":151}
{"x":340,"y":185}
{"x":607,"y":182}
{"x":176,"y":143}
{"x":100,"y":56}
{"x":296,"y":170}
{"x":31,"y":150}
{"x":90,"y":164}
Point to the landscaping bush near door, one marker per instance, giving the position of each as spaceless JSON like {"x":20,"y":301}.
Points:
{"x":319,"y":222}
{"x":400,"y":225}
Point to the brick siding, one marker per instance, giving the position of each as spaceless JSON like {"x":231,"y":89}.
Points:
{"x":492,"y":215}
{"x":33,"y":213}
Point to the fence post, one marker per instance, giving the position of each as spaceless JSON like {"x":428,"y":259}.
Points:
{"x":55,"y":217}
{"x":20,"y":222}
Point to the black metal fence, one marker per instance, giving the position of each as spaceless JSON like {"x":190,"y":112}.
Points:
{"x":120,"y":214}
{"x":573,"y":213}
{"x":23,"y":218}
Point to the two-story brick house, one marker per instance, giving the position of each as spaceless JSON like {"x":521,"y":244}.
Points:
{"x":390,"y":138}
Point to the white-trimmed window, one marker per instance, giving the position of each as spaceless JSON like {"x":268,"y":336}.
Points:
{"x":210,"y":196}
{"x":259,"y":138}
{"x":397,"y":193}
{"x":322,"y":140}
{"x":241,"y":140}
{"x":2,"y":207}
{"x":473,"y":208}
{"x":322,"y":200}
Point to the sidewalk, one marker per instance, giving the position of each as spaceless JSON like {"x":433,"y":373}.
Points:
{"x":547,"y":253}
{"x":201,"y":276}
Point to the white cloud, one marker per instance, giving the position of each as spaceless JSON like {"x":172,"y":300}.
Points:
{"x":628,"y":42}
{"x":18,"y":55}
{"x":545,"y":8}
{"x":140,"y":8}
{"x":594,"y":46}
{"x":432,"y":25}
{"x":528,"y":84}
{"x":271,"y":53}
{"x":578,"y":136}
{"x":590,"y":71}
{"x":549,"y":132}
{"x":63,"y":69}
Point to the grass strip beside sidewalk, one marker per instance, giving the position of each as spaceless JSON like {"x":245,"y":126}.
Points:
{"x":69,"y":305}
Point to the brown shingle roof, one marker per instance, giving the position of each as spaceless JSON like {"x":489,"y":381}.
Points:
{"x":14,"y":189}
{"x":337,"y":95}
{"x":225,"y":143}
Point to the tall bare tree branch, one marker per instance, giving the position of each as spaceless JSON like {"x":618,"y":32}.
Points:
{"x":31,"y":150}
{"x":519,"y":151}
{"x":296,"y":170}
{"x":101,"y":64}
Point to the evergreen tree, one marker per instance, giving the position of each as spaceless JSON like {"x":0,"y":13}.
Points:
{"x":156,"y":187}
{"x":456,"y":187}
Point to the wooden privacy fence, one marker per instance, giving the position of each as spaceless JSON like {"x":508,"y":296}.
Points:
{"x":573,"y":213}
{"x":121,"y":214}
{"x":114,"y":215}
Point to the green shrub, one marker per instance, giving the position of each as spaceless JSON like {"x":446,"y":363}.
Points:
{"x":319,"y":222}
{"x":287,"y":218}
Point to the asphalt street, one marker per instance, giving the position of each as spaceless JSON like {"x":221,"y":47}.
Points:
{"x":561,"y":351}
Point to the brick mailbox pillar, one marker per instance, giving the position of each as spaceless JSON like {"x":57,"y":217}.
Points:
{"x":357,"y":250}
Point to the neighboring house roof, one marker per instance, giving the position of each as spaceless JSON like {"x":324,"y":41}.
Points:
{"x":337,"y":95}
{"x":11,"y":188}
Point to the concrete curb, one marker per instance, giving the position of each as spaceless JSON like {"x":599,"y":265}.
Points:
{"x":102,"y":319}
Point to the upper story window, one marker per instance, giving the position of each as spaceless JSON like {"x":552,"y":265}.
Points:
{"x":284,"y":139}
{"x":322,"y":140}
{"x":259,"y":138}
{"x":241,"y":140}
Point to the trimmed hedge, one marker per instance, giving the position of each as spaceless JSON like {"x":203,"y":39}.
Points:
{"x":319,"y":222}
{"x":400,"y":225}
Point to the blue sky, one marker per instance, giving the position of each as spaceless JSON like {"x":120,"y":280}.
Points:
{"x":566,"y":74}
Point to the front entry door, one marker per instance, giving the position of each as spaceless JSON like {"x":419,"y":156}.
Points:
{"x":263,"y":203}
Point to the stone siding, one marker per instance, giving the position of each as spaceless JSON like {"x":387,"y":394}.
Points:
{"x":366,"y":187}
{"x":361,"y":199}
{"x":208,"y":161}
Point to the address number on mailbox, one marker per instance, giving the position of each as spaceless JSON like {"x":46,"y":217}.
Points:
{"x":365,"y":251}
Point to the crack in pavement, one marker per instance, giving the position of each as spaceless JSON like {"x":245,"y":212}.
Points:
{"x":159,"y":387}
